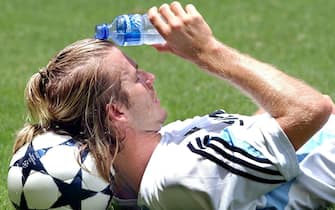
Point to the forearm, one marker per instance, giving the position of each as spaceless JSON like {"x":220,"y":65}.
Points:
{"x":299,"y":109}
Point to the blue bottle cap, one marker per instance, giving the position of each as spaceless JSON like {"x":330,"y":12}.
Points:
{"x":101,"y":32}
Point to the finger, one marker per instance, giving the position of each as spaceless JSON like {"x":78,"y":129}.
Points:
{"x":177,"y":9}
{"x":157,"y":21}
{"x":167,"y":14}
{"x":190,"y":9}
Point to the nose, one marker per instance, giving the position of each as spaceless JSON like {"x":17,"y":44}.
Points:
{"x":149,"y":79}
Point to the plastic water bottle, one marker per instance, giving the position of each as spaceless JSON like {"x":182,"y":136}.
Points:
{"x":129,"y":30}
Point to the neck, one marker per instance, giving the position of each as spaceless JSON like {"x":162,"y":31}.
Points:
{"x":131,"y":161}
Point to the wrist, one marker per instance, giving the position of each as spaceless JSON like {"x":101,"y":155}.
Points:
{"x":218,"y":58}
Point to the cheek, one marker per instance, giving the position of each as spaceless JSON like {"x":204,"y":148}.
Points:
{"x":140,"y":105}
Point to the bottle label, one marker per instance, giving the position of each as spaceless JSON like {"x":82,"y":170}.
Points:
{"x":128,"y":27}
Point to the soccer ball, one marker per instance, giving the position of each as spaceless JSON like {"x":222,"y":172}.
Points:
{"x":46,"y":174}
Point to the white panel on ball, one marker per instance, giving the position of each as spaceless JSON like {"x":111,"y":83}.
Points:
{"x":62,"y":157}
{"x":40,"y":191}
{"x":15,"y":184}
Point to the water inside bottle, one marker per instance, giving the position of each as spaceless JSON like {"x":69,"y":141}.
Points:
{"x":134,"y":38}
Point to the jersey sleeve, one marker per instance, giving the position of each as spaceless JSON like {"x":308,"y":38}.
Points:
{"x":269,"y":139}
{"x":253,"y":144}
{"x":251,"y":157}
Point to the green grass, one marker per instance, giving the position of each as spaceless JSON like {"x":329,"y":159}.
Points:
{"x":296,"y":36}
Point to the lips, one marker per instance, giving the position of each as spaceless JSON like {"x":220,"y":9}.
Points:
{"x":156,"y":99}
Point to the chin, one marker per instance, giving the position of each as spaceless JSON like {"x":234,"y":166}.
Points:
{"x":164,"y":116}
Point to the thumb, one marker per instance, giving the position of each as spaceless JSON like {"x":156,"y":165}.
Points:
{"x":161,"y":47}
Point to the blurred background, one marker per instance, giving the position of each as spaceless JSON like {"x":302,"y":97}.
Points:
{"x":296,"y":36}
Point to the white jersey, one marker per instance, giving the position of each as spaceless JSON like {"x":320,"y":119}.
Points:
{"x":315,"y":186}
{"x":218,"y":161}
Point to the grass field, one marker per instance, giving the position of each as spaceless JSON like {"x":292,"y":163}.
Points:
{"x":296,"y":36}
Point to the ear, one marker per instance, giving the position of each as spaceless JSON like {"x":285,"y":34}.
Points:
{"x":115,"y":112}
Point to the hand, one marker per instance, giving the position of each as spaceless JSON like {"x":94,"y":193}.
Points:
{"x":185,"y":31}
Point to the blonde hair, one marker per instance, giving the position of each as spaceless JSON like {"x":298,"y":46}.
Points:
{"x":69,"y":96}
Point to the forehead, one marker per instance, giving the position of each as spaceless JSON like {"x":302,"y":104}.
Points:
{"x":116,"y":60}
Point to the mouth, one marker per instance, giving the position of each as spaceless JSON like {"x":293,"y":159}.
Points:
{"x":155,"y":98}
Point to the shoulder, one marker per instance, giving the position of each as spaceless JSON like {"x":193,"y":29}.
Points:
{"x":173,"y":173}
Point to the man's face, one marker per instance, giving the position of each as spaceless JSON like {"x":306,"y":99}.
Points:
{"x":145,"y":112}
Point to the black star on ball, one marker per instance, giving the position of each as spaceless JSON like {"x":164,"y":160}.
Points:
{"x":31,"y":161}
{"x":72,"y":194}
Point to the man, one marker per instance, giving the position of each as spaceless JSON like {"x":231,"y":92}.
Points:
{"x":92,"y":93}
{"x":218,"y":161}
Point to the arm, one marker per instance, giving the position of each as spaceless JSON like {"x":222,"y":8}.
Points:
{"x":262,"y":111}
{"x":298,"y":108}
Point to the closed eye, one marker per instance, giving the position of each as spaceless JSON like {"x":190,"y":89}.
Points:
{"x":137,"y":73}
{"x":138,"y":77}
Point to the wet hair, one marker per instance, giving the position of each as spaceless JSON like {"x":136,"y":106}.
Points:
{"x":69,"y":97}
